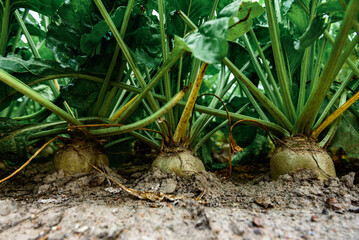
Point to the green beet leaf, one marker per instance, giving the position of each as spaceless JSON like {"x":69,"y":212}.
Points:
{"x":243,"y":20}
{"x":26,"y":71}
{"x":31,"y":69}
{"x":296,"y":15}
{"x":209,"y":42}
{"x":347,"y":135}
{"x":81,"y":94}
{"x":89,"y":41}
{"x":73,"y":19}
{"x":313,"y":32}
{"x":194,"y":9}
{"x":333,"y":8}
{"x":48,"y":8}
{"x":230,"y":10}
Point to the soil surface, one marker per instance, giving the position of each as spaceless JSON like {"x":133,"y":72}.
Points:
{"x":39,"y":203}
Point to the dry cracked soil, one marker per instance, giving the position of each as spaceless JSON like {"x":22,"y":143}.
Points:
{"x":40,"y":203}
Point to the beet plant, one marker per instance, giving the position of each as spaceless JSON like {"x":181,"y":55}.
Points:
{"x":80,"y":100}
{"x":311,"y":43}
{"x":100,"y":69}
{"x":107,"y":69}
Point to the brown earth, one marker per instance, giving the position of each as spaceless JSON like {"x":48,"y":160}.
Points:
{"x":40,"y":203}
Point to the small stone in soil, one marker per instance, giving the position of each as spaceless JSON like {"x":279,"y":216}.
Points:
{"x":236,"y":230}
{"x":257,"y":222}
{"x":315,"y":218}
{"x":257,"y":231}
{"x":332,"y":203}
{"x":264,"y":202}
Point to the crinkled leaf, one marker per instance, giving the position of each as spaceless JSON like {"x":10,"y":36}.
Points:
{"x":347,"y":135}
{"x":81,"y":94}
{"x":44,"y":7}
{"x":79,"y":29}
{"x":194,"y":9}
{"x":313,"y":32}
{"x":89,"y":41}
{"x":209,"y":42}
{"x":144,"y":39}
{"x":297,"y":15}
{"x":73,"y":19}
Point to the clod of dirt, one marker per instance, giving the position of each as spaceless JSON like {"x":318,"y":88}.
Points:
{"x":204,"y":185}
{"x":181,"y":162}
{"x":348,"y":180}
{"x":79,"y":156}
{"x":301,"y":153}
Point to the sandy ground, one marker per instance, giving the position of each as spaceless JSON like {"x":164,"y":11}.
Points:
{"x":42,"y":204}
